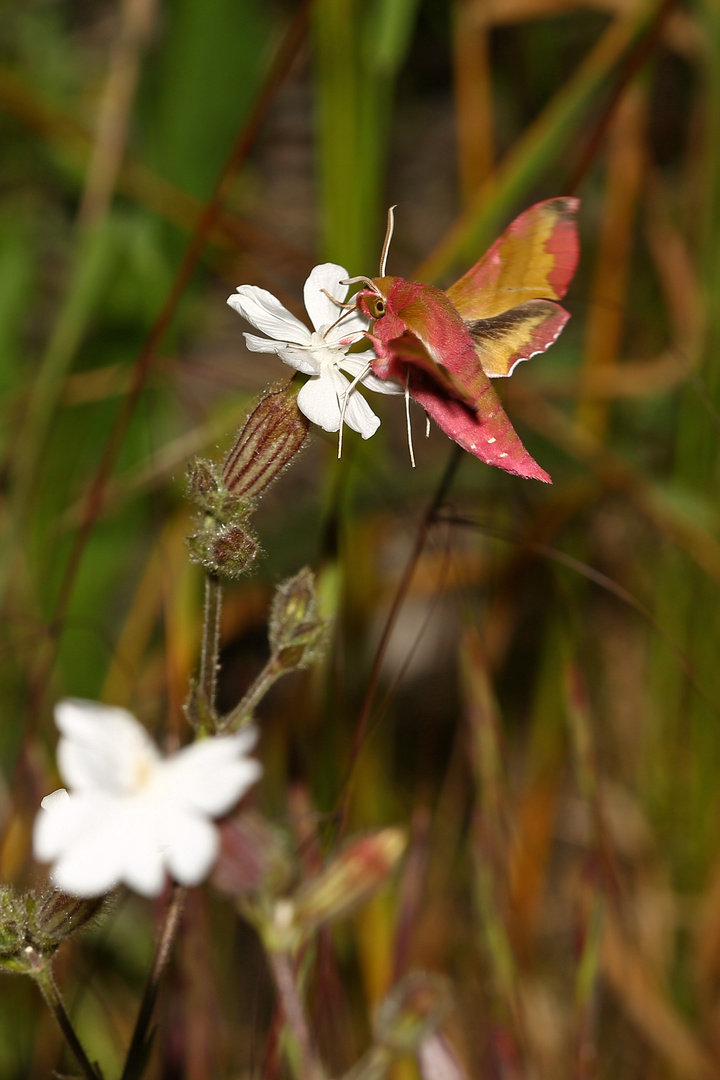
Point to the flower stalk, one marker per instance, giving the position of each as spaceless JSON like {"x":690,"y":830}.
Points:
{"x":43,"y":977}
{"x":243,"y":712}
{"x":304,"y":1060}
{"x":142,"y":1037}
{"x":298,"y":636}
{"x":210,"y":653}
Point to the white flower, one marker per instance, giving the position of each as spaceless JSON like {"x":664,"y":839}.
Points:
{"x":131,"y":815}
{"x":321,"y":354}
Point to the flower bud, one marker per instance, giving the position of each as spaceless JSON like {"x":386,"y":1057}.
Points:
{"x":202,"y":481}
{"x":297,"y":633}
{"x":234,"y":548}
{"x":56,"y":915}
{"x":414,"y":1009}
{"x":350,"y":878}
{"x":12,"y":923}
{"x":227,"y":550}
{"x":32,"y":926}
{"x":270,"y":438}
{"x":253,"y":857}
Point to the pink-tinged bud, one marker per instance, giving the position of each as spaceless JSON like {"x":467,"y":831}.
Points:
{"x":349,"y":879}
{"x":253,"y":857}
{"x":272,"y":435}
{"x":413,"y":1010}
{"x":298,"y":634}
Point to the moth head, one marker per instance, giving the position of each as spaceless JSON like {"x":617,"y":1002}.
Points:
{"x":371,"y":304}
{"x":369,"y":301}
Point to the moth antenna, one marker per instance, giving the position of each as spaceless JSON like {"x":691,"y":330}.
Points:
{"x":388,"y":238}
{"x":346,"y":395}
{"x":407,"y":418}
{"x":427,"y":426}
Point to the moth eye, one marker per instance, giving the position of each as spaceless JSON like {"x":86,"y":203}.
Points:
{"x":377,"y":307}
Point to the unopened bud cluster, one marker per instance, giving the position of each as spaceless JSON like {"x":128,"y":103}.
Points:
{"x":32,"y":926}
{"x":298,"y":633}
{"x":225,"y":542}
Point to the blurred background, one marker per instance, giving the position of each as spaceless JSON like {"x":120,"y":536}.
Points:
{"x":547,"y":717}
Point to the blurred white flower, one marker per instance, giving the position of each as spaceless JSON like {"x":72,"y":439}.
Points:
{"x":131,"y":815}
{"x":321,"y":354}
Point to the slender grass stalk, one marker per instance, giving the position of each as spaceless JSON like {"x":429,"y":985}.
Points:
{"x":361,"y":726}
{"x":491,"y":850}
{"x":93,"y":262}
{"x":359,"y":49}
{"x":687,"y":728}
{"x":542,"y":144}
{"x":136,"y":25}
{"x":626,"y":165}
{"x":97,"y":489}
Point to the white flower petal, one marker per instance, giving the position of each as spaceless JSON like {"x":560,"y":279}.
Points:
{"x":322,"y":311}
{"x":133,"y":816}
{"x":360,"y":417}
{"x":350,"y":330}
{"x":303,"y":360}
{"x":144,"y":866}
{"x":266,"y":313}
{"x":95,"y":845}
{"x":192,"y":848}
{"x":147,"y":877}
{"x":59,"y":821}
{"x":101,"y":745}
{"x":262,"y":344}
{"x":321,"y":400}
{"x":213,"y":774}
{"x":317,"y":399}
{"x":58,"y":797}
{"x":79,"y":873}
{"x":296,"y":356}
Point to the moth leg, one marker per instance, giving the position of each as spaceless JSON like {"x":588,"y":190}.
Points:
{"x":338,"y":303}
{"x":407,"y":418}
{"x":346,"y":395}
{"x":348,"y":309}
